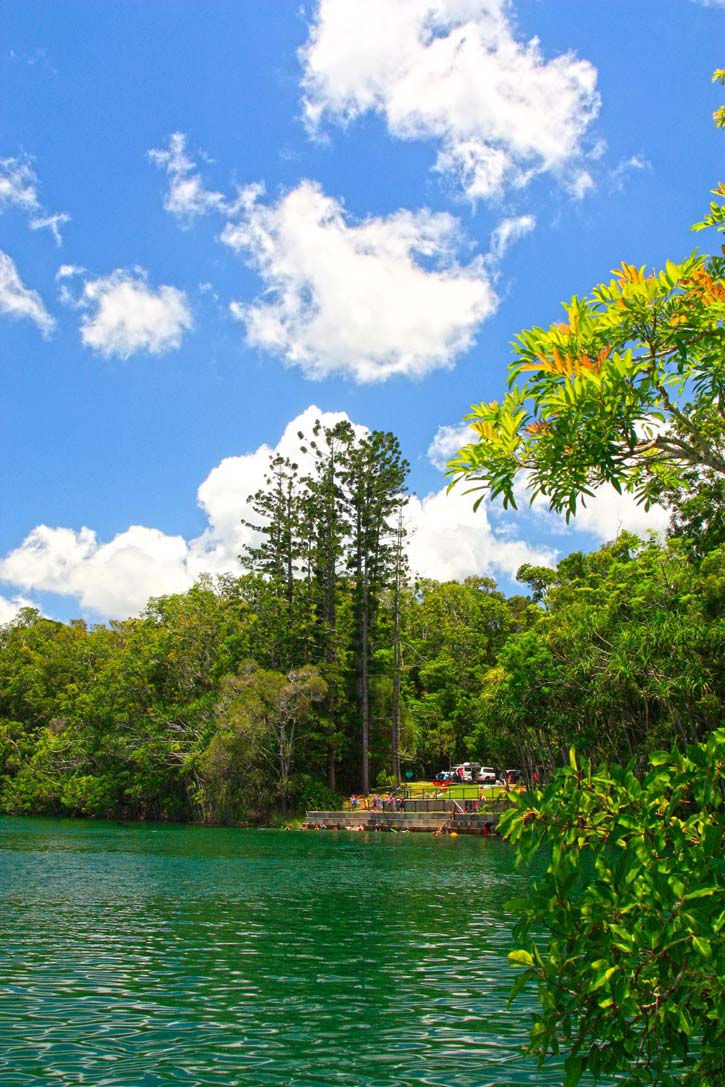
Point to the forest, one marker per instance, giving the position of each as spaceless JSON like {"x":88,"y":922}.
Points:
{"x":328,"y":668}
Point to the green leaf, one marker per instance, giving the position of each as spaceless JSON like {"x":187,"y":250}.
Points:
{"x":573,"y":1067}
{"x":521,"y":958}
{"x":703,"y":946}
{"x":602,"y":977}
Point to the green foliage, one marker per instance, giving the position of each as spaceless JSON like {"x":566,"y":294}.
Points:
{"x":453,"y":635}
{"x":627,"y":391}
{"x":328,"y":548}
{"x":233,"y":701}
{"x":384,"y":780}
{"x":627,"y":657}
{"x":538,"y":578}
{"x":698,"y":513}
{"x":623,"y":935}
{"x":310,"y":794}
{"x":245,"y":771}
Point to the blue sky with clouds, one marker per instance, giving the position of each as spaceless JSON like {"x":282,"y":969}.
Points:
{"x":220,"y":221}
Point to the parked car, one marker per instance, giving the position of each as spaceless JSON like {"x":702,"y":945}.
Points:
{"x":466,"y":773}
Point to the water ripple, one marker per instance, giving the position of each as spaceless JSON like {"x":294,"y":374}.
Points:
{"x":146,"y":956}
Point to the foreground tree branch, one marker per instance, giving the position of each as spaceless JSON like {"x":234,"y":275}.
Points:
{"x":628,"y":391}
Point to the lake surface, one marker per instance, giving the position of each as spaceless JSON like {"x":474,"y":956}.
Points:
{"x":141,"y":955}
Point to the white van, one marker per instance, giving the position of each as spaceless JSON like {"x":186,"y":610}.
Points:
{"x":473,"y":772}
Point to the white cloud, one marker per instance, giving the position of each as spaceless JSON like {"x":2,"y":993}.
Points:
{"x":623,"y":169}
{"x":605,"y":514}
{"x":581,"y":184}
{"x":223,"y":495}
{"x":446,"y":443}
{"x":129,"y":317}
{"x":9,"y":608}
{"x":187,"y":197}
{"x":448,"y":541}
{"x":509,"y":231}
{"x":355,"y":297}
{"x":18,"y":185}
{"x":453,"y":71}
{"x":17,"y":300}
{"x":114,"y":579}
{"x":608,"y":513}
{"x":67,"y":271}
{"x":52,"y":223}
{"x":19,"y":188}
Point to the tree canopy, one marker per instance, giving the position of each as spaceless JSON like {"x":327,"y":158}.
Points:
{"x":627,"y":391}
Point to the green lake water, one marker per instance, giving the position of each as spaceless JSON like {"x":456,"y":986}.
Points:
{"x":143,"y":955}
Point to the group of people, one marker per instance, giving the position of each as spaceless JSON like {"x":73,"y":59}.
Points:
{"x":377,"y":802}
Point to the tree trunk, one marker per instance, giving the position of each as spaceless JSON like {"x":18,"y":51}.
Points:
{"x":364,"y":692}
{"x":397,"y":654}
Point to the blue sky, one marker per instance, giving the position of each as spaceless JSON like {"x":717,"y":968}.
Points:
{"x":219,"y":219}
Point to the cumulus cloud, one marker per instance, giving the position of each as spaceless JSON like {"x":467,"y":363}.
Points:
{"x":453,"y":71}
{"x":187,"y":197}
{"x":448,"y":541}
{"x":112,"y":579}
{"x":367,"y":299}
{"x":127,"y":316}
{"x":224,"y":494}
{"x":116,"y":578}
{"x":604,"y":515}
{"x":607,"y":514}
{"x":19,"y":188}
{"x":17,"y":300}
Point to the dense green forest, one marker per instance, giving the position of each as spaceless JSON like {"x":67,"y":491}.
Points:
{"x":248,"y":697}
{"x":322,"y":670}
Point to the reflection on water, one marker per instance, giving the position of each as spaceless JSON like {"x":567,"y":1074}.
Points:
{"x":145,"y":955}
